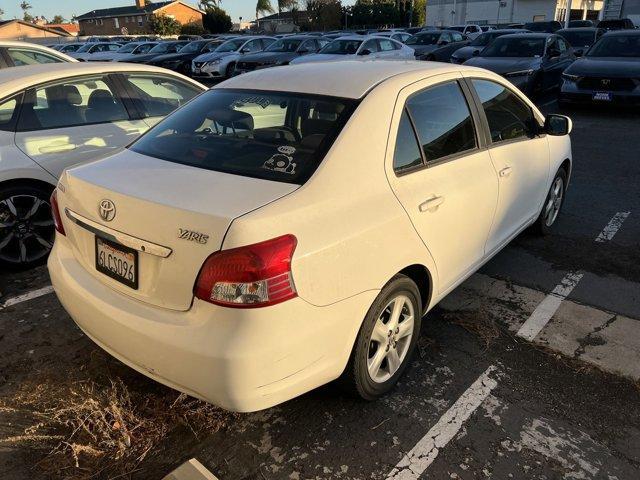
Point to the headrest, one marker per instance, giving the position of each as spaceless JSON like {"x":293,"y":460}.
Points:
{"x":227,"y":117}
{"x":73,"y":94}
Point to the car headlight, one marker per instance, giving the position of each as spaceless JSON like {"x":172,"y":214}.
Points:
{"x":519,"y":73}
{"x":212,"y":62}
{"x":570,"y":78}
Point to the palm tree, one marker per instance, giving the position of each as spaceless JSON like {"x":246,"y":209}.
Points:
{"x":25,"y":6}
{"x":1,"y":12}
{"x":286,"y":5}
{"x":262,"y":7}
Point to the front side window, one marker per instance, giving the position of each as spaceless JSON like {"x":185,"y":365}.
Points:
{"x":457,"y":37}
{"x":284,"y":45}
{"x":342,"y":47}
{"x":371,"y":46}
{"x":71,"y":102}
{"x":407,"y":152}
{"x":387,"y":45}
{"x":22,"y":56}
{"x":159,"y":95}
{"x":509,"y":118}
{"x":7,"y":112}
{"x":252,"y":47}
{"x":442,"y":120}
{"x":270,"y":135}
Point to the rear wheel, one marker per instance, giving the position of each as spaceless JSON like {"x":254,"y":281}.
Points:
{"x":229,"y":70}
{"x":386,"y":340}
{"x":26,"y":226}
{"x":552,"y":204}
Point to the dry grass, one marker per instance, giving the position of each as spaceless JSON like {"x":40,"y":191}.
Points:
{"x":86,"y":430}
{"x":477,"y":322}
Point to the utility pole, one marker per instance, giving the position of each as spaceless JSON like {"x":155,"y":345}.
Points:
{"x":567,"y":14}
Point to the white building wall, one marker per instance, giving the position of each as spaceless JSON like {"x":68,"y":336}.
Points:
{"x":439,"y":12}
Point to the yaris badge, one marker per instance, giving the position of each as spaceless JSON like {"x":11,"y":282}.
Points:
{"x":107,"y":210}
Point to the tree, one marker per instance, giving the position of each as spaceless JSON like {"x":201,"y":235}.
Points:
{"x":216,"y":20}
{"x":263,"y":7}
{"x":192,"y":29}
{"x":58,"y":19}
{"x":419,"y":13}
{"x":1,"y":12}
{"x":325,"y":14}
{"x":26,"y":6}
{"x":208,"y":4}
{"x":371,"y":13}
{"x":286,"y":5}
{"x":164,"y":25}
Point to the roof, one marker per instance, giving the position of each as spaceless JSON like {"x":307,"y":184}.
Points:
{"x":531,"y":35}
{"x":614,"y":33}
{"x":33,"y":25}
{"x":18,"y":78}
{"x":284,"y":15}
{"x":65,"y":27}
{"x":346,"y":78}
{"x":129,"y":10}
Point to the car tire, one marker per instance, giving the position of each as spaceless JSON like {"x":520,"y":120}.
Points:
{"x":228,"y":72}
{"x":26,"y":226}
{"x":552,"y":204}
{"x":379,"y":358}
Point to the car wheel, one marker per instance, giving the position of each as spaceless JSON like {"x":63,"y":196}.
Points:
{"x":552,"y":204}
{"x":386,"y":340}
{"x":229,"y":70}
{"x":26,"y":226}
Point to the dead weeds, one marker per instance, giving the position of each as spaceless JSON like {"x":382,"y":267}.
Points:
{"x":477,"y":322}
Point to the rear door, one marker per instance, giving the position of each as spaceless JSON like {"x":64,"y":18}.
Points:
{"x":443,"y":175}
{"x":75,"y":120}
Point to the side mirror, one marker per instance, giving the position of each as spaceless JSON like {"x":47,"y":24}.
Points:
{"x":365,"y":52}
{"x":557,"y":125}
{"x":476,"y":53}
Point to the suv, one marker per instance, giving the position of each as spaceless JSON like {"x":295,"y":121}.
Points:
{"x":543,"y":27}
{"x":616,"y":24}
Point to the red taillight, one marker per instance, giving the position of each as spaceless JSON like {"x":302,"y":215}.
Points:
{"x":257,"y":275}
{"x":55,"y":211}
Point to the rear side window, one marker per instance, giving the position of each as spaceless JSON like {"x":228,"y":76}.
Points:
{"x":509,"y":118}
{"x":442,"y":120}
{"x":8,"y":113}
{"x":387,"y":45}
{"x":269,"y":135}
{"x":157,"y":96}
{"x":71,"y":102}
{"x":22,"y":57}
{"x":407,"y":152}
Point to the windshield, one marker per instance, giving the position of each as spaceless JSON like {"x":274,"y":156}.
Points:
{"x":484,"y":39}
{"x":515,"y":47}
{"x":578,"y":39}
{"x":231,"y":45}
{"x":128,"y":48}
{"x":537,"y":26}
{"x":284,"y":46}
{"x":193,"y":47}
{"x":273,"y":136}
{"x":341,"y":47}
{"x":424,"y":39}
{"x":164,"y":47}
{"x":616,"y":46}
{"x":85,"y":47}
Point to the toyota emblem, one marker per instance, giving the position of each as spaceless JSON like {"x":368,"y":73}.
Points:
{"x":107,"y":210}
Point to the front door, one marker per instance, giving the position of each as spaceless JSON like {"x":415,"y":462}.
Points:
{"x":441,"y":175}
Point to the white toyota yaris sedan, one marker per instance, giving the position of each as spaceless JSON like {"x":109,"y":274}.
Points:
{"x":292,"y":225}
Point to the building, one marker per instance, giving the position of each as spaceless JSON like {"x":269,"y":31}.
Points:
{"x":135,"y":19}
{"x":501,"y":12}
{"x":622,"y":9}
{"x":19,"y":30}
{"x":70,"y":28}
{"x":283,"y":22}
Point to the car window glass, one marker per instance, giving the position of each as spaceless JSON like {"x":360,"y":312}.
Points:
{"x":445,"y":37}
{"x":386,"y":45}
{"x":456,"y":37}
{"x":251,"y":47}
{"x":30,"y":57}
{"x":159,"y":95}
{"x":442,"y":120}
{"x":562,"y":45}
{"x":266,"y":42}
{"x":508,"y":116}
{"x":71,"y":102}
{"x":407,"y":151}
{"x":370,"y":45}
{"x":7,"y":110}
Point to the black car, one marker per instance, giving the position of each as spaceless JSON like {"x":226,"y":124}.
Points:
{"x":543,"y":27}
{"x":479,"y":43}
{"x":281,"y":52}
{"x":162,"y":48}
{"x":609,"y":73}
{"x":533,"y":62}
{"x":616,"y":24}
{"x":581,"y":23}
{"x":581,"y":38}
{"x":181,"y":61}
{"x":436,"y":45}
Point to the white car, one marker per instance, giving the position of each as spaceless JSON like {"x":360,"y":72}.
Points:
{"x":288,"y":228}
{"x":17,"y":54}
{"x":125,"y":51}
{"x":470,"y":30}
{"x":222,"y":61}
{"x":54,"y":116}
{"x":357,"y":46}
{"x":89,"y":50}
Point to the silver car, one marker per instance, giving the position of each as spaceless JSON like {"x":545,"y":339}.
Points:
{"x":221,"y":63}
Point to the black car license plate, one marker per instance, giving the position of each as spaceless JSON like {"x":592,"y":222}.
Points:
{"x":117,"y":261}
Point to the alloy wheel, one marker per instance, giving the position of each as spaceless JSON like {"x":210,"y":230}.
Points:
{"x":390,"y":339}
{"x":26,"y":229}
{"x":554,"y":202}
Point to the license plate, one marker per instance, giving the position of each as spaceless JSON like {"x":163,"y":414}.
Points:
{"x":117,"y":261}
{"x":603,"y":96}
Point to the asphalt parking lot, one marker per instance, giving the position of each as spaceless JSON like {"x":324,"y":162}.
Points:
{"x":531,"y":369}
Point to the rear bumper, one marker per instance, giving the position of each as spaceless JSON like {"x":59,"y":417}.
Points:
{"x":239,"y":359}
{"x":571,"y":93}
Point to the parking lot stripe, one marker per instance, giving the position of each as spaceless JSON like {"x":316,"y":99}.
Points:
{"x":27,"y":296}
{"x":612,"y":227}
{"x":548,"y":307}
{"x":418,"y":459}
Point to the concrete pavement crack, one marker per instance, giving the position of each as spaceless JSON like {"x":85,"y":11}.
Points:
{"x":592,"y":339}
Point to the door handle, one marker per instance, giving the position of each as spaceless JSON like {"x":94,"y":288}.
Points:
{"x":505,"y":172}
{"x":67,"y":147}
{"x":431,"y":204}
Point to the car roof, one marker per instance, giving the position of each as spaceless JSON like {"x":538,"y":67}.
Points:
{"x":634,"y":32}
{"x":15,"y":79}
{"x":530,"y":35}
{"x":346,"y":78}
{"x":578,"y":29}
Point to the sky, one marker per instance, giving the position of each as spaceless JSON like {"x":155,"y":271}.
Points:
{"x":67,"y":8}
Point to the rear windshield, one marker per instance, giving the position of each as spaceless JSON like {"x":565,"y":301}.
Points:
{"x":579,"y":38}
{"x":341,"y":47}
{"x":616,"y":46}
{"x":424,"y":39}
{"x":269,"y":135}
{"x":507,"y":46}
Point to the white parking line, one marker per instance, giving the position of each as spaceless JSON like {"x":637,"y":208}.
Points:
{"x":27,"y":296}
{"x":416,"y":461}
{"x":548,"y":307}
{"x":612,"y":227}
